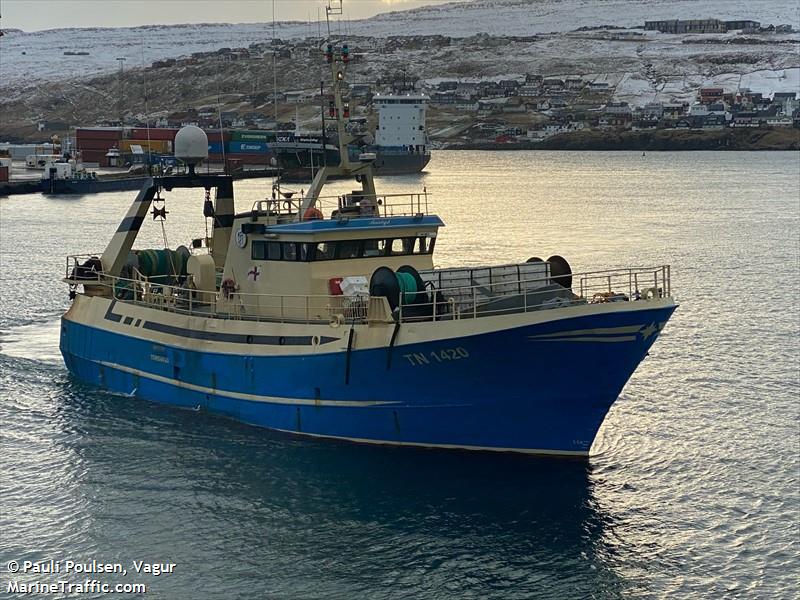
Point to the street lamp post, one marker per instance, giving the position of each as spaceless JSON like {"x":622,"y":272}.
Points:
{"x":121,"y":61}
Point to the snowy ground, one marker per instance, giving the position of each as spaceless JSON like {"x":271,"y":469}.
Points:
{"x":684,"y":88}
{"x":38,"y":83}
{"x":36,"y":56}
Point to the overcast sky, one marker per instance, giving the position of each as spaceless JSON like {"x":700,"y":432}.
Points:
{"x":33,"y":15}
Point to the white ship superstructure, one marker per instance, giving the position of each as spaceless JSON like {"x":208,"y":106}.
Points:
{"x":401,"y":122}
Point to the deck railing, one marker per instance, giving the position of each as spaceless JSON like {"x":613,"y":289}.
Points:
{"x":486,"y":291}
{"x":354,"y":205}
{"x":533,"y":293}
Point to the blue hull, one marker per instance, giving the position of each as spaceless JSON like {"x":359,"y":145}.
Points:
{"x":542,"y":388}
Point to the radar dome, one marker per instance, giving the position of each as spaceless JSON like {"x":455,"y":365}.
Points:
{"x":191,"y":145}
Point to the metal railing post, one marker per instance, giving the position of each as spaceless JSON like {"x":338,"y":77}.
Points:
{"x":669,"y":279}
{"x":525,"y":300}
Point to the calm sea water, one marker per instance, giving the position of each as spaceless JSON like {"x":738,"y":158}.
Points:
{"x":693,"y":489}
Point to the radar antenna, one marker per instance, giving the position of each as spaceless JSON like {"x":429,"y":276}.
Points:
{"x":337,"y":56}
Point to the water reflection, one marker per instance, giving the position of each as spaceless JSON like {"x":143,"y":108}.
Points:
{"x":343,"y":519}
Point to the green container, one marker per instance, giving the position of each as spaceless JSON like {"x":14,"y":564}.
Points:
{"x":252,"y":136}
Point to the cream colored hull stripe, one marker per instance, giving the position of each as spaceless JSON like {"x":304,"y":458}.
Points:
{"x":90,"y":311}
{"x":621,"y":338}
{"x":597,"y":331}
{"x":440,"y":446}
{"x":241,"y":396}
{"x":601,"y":334}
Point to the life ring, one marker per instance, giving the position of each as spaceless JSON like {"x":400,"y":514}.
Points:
{"x":228,"y":287}
{"x":652,"y":292}
{"x":312,"y":213}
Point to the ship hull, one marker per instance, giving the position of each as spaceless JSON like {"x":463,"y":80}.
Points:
{"x":299,"y":162}
{"x":542,"y":387}
{"x":400,"y":164}
{"x":91,"y":186}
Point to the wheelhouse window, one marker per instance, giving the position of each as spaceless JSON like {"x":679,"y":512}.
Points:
{"x":341,"y":249}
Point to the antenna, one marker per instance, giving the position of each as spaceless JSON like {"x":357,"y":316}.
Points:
{"x":274,"y":68}
{"x":221,"y":131}
{"x":334,"y":8}
{"x":146,"y":117}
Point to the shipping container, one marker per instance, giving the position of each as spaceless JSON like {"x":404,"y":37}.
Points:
{"x":253,"y":136}
{"x":154,"y":133}
{"x":98,"y":133}
{"x":214,"y":135}
{"x":160,"y":146}
{"x":247,"y":147}
{"x":83,"y":144}
{"x":86,"y":153}
{"x":3,"y":173}
{"x":95,"y":156}
{"x":214,"y":148}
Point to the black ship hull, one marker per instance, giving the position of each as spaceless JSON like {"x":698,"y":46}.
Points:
{"x":299,"y":162}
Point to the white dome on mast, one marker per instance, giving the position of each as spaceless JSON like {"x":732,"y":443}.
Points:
{"x":191,"y":146}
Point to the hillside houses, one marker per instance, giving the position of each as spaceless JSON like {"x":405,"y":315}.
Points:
{"x":701,"y":26}
{"x":527,"y":106}
{"x":571,"y":103}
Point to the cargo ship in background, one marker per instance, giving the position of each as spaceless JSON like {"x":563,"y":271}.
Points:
{"x":400,"y":143}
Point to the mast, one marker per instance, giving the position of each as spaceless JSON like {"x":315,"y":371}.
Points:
{"x":338,"y":57}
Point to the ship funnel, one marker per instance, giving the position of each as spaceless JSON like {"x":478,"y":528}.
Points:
{"x":191,"y":146}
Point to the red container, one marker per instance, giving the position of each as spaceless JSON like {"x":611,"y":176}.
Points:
{"x":94,"y":156}
{"x":155,"y":133}
{"x":84,"y":144}
{"x":216,"y":136}
{"x":3,"y":173}
{"x":98,"y":134}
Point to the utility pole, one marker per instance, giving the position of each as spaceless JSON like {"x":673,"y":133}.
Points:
{"x":120,"y":92}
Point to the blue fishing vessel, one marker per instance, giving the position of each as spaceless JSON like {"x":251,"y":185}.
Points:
{"x":325,"y":317}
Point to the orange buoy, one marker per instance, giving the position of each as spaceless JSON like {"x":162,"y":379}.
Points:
{"x":312,"y":213}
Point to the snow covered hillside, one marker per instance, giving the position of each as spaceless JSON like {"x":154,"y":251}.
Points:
{"x":596,"y":40}
{"x":30,"y":58}
{"x":526,"y":17}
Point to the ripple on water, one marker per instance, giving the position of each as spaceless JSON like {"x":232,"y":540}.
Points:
{"x":692,"y":490}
